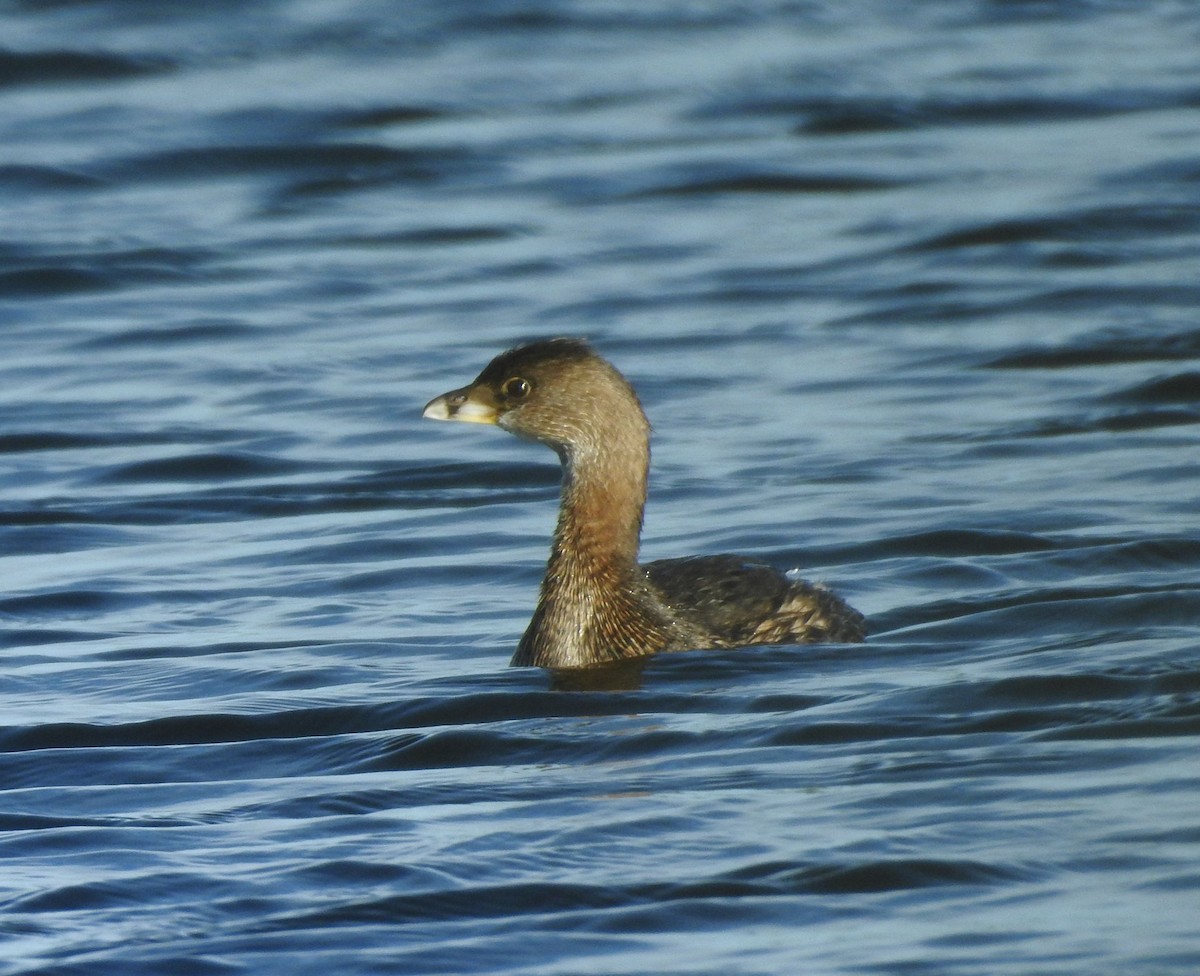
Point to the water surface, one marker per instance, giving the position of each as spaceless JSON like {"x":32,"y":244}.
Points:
{"x":909,"y":292}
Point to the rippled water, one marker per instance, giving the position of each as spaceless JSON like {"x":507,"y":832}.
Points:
{"x":909,"y":291}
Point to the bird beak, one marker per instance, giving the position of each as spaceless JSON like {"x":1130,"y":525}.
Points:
{"x":467,"y":405}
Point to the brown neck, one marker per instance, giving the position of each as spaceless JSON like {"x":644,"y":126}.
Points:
{"x":591,"y":604}
{"x":600,"y":517}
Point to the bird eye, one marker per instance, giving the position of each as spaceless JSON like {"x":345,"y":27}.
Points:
{"x":516,"y":388}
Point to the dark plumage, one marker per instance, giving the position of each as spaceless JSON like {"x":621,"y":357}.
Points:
{"x":597,"y":605}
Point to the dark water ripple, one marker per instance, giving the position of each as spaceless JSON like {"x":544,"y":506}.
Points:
{"x":49,"y":67}
{"x":908,"y":292}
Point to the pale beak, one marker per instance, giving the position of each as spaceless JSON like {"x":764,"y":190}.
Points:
{"x":460,"y":405}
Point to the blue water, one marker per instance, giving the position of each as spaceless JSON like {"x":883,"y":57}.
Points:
{"x":910,"y":293}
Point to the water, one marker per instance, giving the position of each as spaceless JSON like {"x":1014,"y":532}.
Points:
{"x":909,"y":291}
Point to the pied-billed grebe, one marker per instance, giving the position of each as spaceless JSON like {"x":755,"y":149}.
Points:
{"x":597,"y":605}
